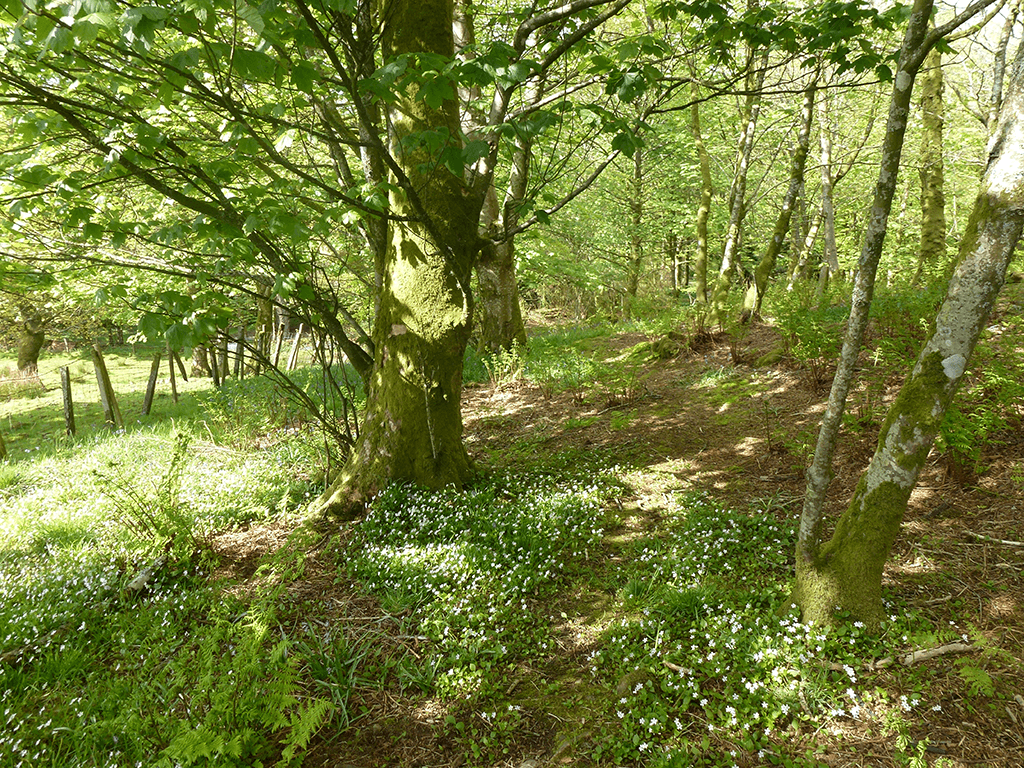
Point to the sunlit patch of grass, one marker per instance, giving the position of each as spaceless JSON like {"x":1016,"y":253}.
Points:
{"x":93,"y":673}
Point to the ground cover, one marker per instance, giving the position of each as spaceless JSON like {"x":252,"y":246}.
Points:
{"x":612,"y":591}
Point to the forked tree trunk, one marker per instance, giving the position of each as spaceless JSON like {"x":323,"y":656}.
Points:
{"x":737,"y":210}
{"x":412,"y":425}
{"x":845,"y":573}
{"x":765,"y":267}
{"x":499,"y":316}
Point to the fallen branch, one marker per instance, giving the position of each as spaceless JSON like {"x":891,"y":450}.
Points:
{"x":142,"y":579}
{"x":910,"y":658}
{"x":991,"y":540}
{"x":931,"y":653}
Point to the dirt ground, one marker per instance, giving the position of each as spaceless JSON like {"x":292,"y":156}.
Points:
{"x":746,"y":435}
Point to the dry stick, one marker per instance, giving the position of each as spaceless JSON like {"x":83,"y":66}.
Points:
{"x":69,"y":405}
{"x":154,"y":371}
{"x":989,"y":539}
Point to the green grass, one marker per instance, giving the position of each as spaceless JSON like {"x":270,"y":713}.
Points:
{"x":693,"y":657}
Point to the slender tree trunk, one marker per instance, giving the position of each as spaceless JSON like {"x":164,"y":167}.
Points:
{"x":933,"y":197}
{"x":636,"y":241}
{"x":762,"y":273}
{"x":999,"y":63}
{"x":499,"y":314}
{"x":412,"y":425}
{"x":846,"y":573}
{"x":810,"y":565}
{"x":828,"y":212}
{"x":700,"y":261}
{"x":730,"y":253}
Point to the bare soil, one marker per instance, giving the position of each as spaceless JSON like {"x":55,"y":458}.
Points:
{"x":709,"y":419}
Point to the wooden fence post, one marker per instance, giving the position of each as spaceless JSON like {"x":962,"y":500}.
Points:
{"x":277,"y":344}
{"x":154,"y":371}
{"x":111,"y":412}
{"x":170,"y":366}
{"x":240,"y":355}
{"x":293,"y":358}
{"x":69,"y":405}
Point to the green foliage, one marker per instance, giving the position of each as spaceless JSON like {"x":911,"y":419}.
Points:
{"x":469,"y":563}
{"x":814,"y":332}
{"x":988,"y":404}
{"x":506,"y":366}
{"x":712,"y":668}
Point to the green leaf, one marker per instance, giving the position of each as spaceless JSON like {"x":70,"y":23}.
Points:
{"x":254,"y":65}
{"x":303,"y":76}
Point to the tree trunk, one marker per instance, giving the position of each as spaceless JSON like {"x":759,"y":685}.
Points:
{"x":412,"y":424}
{"x":847,"y":571}
{"x":499,"y":315}
{"x":700,"y":262}
{"x":755,"y":294}
{"x":813,"y":568}
{"x":635,"y":266}
{"x":933,"y":198}
{"x":730,"y":254}
{"x":33,"y":336}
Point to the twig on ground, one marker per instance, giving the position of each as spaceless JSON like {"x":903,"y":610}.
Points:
{"x":991,"y":540}
{"x":910,"y":658}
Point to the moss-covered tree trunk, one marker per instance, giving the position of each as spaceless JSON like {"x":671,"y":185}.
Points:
{"x":765,"y":267}
{"x":30,"y":343}
{"x":846,"y":572}
{"x":412,"y":426}
{"x":932,"y":251}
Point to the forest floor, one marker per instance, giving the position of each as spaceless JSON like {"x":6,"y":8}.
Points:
{"x":711,"y":419}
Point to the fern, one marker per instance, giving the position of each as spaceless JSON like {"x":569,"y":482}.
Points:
{"x":979,"y":682}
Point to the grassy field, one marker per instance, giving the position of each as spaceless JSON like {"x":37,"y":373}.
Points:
{"x":612,"y":591}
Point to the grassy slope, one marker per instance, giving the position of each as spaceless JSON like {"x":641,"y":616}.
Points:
{"x":591,"y":601}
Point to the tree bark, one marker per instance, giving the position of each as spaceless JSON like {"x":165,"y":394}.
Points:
{"x":815,"y":568}
{"x":700,"y":262}
{"x":635,"y":262}
{"x":755,"y":294}
{"x":933,"y":198}
{"x":498,"y":314}
{"x":847,"y":571}
{"x":730,"y":253}
{"x":819,"y":474}
{"x":412,"y":424}
{"x":33,"y":336}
